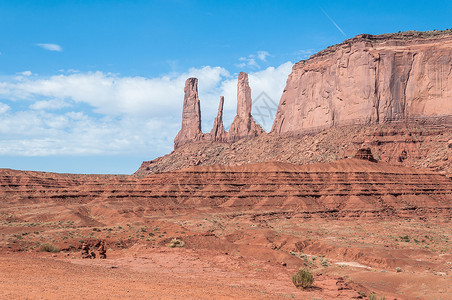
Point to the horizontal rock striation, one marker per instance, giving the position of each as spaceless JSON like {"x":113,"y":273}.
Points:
{"x":345,"y":188}
{"x":369,"y":80}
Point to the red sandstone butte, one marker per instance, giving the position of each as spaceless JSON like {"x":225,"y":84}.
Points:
{"x":369,"y":80}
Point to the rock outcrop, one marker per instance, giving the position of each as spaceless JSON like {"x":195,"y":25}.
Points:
{"x":218,"y":133}
{"x":191,"y":115}
{"x":366,"y":154}
{"x":369,"y":80}
{"x":243,"y":125}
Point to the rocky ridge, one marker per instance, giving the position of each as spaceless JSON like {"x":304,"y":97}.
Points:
{"x":407,"y":144}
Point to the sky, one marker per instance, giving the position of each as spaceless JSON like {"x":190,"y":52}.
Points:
{"x":97,"y":86}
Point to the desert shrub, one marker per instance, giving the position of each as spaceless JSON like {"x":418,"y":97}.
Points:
{"x":373,"y":296}
{"x":47,"y":247}
{"x":303,"y":279}
{"x":176,"y":243}
{"x":405,"y":238}
{"x":398,"y":269}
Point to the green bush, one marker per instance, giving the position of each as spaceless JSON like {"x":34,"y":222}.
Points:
{"x":303,"y":279}
{"x":47,"y":247}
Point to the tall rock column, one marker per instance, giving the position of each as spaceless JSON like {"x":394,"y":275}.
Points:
{"x":191,"y":115}
{"x":218,"y":133}
{"x":243,"y":124}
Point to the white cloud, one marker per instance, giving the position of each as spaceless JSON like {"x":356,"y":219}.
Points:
{"x":4,"y":108}
{"x":251,"y":60}
{"x":53,"y":104}
{"x":262,"y":55}
{"x":26,"y":73}
{"x":111,"y":94}
{"x":51,"y":47}
{"x":113,"y":114}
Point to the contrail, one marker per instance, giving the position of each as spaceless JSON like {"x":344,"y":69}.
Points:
{"x":332,"y":21}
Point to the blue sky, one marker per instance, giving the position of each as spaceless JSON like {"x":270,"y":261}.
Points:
{"x":97,"y":86}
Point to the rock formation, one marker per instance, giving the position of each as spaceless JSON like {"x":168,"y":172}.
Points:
{"x":218,"y":133}
{"x":243,"y":124}
{"x":398,"y":85}
{"x":368,"y":80}
{"x":191,"y":115}
{"x":366,"y":154}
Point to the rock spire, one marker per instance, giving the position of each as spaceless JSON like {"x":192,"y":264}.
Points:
{"x":242,"y":127}
{"x":243,"y":124}
{"x":218,"y":133}
{"x":191,"y":115}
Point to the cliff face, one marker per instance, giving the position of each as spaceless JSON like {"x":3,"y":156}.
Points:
{"x":369,"y":80}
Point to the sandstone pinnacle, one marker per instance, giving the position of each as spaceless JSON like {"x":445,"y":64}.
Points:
{"x":218,"y":133}
{"x":191,"y":115}
{"x":243,"y":124}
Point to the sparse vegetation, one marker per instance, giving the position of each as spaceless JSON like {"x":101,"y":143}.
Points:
{"x":47,"y":247}
{"x":405,"y":238}
{"x":373,"y":296}
{"x":303,"y":279}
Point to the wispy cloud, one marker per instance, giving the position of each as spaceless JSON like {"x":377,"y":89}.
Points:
{"x":3,"y":108}
{"x":51,"y":47}
{"x":305,"y":53}
{"x":252,"y":60}
{"x":334,"y":23}
{"x":262,"y":55}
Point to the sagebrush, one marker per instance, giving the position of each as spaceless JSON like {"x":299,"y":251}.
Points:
{"x":303,"y":279}
{"x":47,"y":247}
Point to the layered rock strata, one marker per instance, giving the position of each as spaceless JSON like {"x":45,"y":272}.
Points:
{"x":345,"y":188}
{"x":368,"y":80}
{"x":243,"y":125}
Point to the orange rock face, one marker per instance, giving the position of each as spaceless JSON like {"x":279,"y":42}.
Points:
{"x":243,"y":124}
{"x":369,"y":79}
{"x":218,"y":133}
{"x":191,"y":115}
